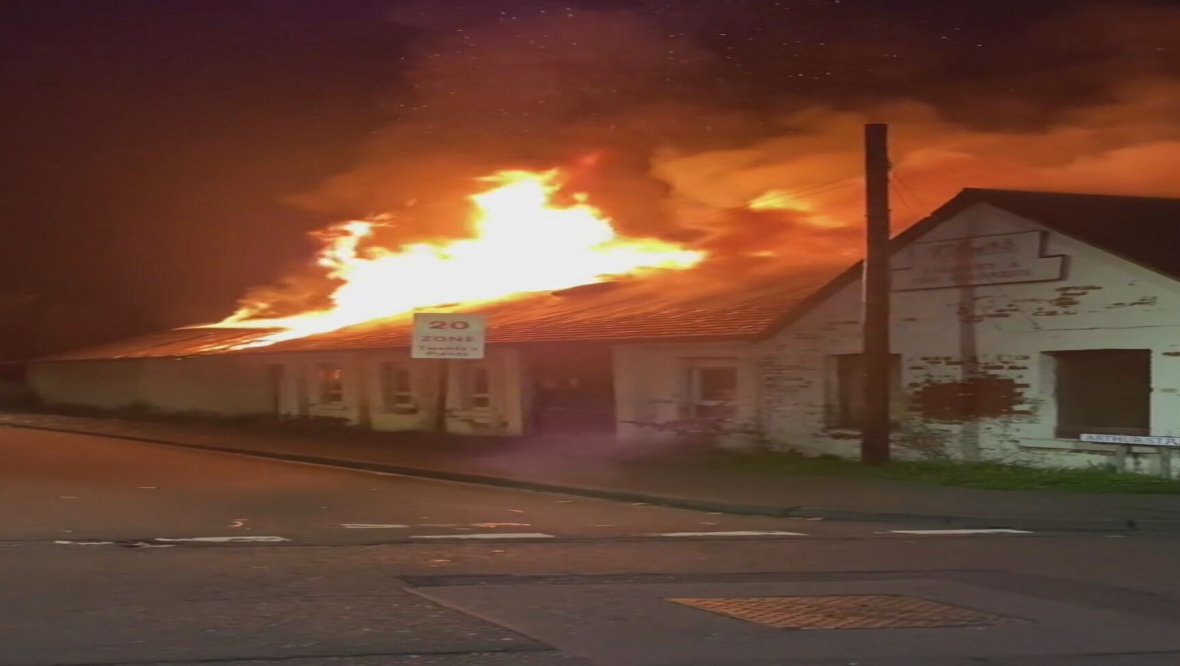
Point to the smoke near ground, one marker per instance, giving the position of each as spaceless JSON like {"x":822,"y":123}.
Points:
{"x":671,"y":135}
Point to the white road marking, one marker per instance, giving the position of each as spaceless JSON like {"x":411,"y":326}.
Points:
{"x":86,"y":543}
{"x":726,"y":534}
{"x":495,"y":525}
{"x":366,"y":526}
{"x":506,"y":535}
{"x":229,"y":539}
{"x":956,"y":532}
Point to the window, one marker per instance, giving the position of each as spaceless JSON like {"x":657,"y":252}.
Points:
{"x":331,"y":384}
{"x":479,"y":393}
{"x":846,"y":396}
{"x":397,"y":392}
{"x":713,"y":392}
{"x":1103,"y":392}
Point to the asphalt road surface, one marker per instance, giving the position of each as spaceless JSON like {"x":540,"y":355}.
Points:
{"x":116,"y":552}
{"x":66,"y":487}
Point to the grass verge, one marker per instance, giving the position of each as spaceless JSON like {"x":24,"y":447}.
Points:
{"x":992,"y":476}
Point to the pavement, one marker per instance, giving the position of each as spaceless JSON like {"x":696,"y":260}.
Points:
{"x":116,"y":552}
{"x":605,"y":470}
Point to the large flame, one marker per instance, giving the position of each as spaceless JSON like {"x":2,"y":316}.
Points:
{"x":523,"y":242}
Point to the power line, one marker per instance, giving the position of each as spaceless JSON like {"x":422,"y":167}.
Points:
{"x":913,"y":193}
{"x":792,"y":194}
{"x":847,"y":182}
{"x":905,"y":200}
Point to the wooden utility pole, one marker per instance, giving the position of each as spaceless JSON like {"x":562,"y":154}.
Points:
{"x":875,"y":431}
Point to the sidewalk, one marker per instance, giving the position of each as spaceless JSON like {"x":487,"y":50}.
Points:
{"x":618,"y":473}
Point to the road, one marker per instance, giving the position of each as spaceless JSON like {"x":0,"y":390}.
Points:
{"x":59,"y":486}
{"x":117,"y":552}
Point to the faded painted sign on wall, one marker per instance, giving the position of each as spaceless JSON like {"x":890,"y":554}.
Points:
{"x":981,"y":260}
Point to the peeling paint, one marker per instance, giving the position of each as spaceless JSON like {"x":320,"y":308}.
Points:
{"x":1142,"y":301}
{"x":984,"y":396}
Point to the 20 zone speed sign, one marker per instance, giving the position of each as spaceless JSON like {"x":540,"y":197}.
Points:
{"x":448,"y":335}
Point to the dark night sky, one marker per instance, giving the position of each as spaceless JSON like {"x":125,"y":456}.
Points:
{"x":147,"y":144}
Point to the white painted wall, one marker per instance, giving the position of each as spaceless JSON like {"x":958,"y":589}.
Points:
{"x":364,"y":406}
{"x":233,"y":384}
{"x":505,"y":415}
{"x":1103,"y":302}
{"x":301,"y":395}
{"x":651,"y":384}
{"x":424,"y":381}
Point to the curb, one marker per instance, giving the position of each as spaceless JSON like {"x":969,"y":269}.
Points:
{"x":716,"y":506}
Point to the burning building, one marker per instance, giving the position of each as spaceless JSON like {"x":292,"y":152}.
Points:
{"x":1029,"y":326}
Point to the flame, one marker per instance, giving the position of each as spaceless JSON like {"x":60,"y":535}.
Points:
{"x":772,"y":200}
{"x":523,"y":242}
{"x":781,"y":200}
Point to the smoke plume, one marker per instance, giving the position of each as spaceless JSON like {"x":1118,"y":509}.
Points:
{"x":676,"y":139}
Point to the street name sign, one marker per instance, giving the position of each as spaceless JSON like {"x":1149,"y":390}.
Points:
{"x":448,"y":335}
{"x":1170,"y":442}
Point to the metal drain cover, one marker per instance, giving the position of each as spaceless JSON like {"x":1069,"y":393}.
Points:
{"x":846,"y":612}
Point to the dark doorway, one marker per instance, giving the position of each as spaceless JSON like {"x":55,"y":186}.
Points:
{"x":572,"y":389}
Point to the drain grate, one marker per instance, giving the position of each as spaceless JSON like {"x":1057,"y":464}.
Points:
{"x":846,"y":612}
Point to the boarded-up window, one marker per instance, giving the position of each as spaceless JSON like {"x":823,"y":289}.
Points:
{"x":1103,"y":392}
{"x":331,"y":384}
{"x":713,"y":391}
{"x":397,"y":390}
{"x":846,"y":394}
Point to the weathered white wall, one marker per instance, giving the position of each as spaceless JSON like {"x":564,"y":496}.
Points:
{"x":651,"y":384}
{"x":506,"y":412}
{"x":424,"y":381}
{"x":363,"y":400}
{"x":1102,"y":303}
{"x":233,"y":384}
{"x":301,"y":387}
{"x":229,"y":385}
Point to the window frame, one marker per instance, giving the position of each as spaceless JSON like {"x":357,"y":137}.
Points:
{"x":1072,"y":431}
{"x":396,"y":397}
{"x":475,"y":398}
{"x":693,"y":372}
{"x":839,"y":411}
{"x":334,"y":397}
